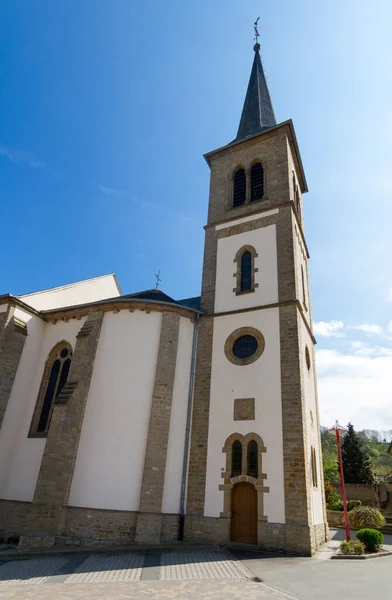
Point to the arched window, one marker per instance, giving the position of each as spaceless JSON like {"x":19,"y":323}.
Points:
{"x":252,"y":459}
{"x":239,"y":187}
{"x":236,"y":459}
{"x":246,"y":271}
{"x":53,"y":380}
{"x":256,"y":182}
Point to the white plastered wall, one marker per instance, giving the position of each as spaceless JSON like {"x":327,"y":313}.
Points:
{"x":21,"y":456}
{"x":312,"y":424}
{"x":3,"y":307}
{"x":73,"y":294}
{"x":260,"y":380}
{"x":175,"y":450}
{"x":110,"y":460}
{"x":264,"y":242}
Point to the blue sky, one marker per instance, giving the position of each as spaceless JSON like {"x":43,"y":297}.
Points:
{"x":107,"y":107}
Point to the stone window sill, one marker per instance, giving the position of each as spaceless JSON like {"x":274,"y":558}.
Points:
{"x":245,"y":292}
{"x":37,"y":434}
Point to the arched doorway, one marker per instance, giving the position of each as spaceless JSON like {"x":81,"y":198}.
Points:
{"x":244,"y":514}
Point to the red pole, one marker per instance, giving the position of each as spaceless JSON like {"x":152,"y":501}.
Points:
{"x":342,"y":484}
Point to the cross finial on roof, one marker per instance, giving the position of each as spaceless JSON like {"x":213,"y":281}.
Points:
{"x":257,"y":35}
{"x":158,"y":279}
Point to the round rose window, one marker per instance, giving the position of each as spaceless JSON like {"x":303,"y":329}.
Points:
{"x":245,"y":346}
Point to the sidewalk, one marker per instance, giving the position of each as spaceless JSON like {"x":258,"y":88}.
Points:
{"x":8,"y":552}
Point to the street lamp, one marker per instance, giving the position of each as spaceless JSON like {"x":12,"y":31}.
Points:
{"x":338,"y":430}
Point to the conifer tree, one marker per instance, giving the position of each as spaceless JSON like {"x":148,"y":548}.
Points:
{"x":356,"y":464}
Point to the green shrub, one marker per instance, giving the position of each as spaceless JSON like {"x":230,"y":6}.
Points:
{"x":329,"y":491}
{"x":366,"y":517}
{"x":335,"y":502}
{"x":351,"y":548}
{"x":351,"y":504}
{"x":331,"y":472}
{"x":371,"y":538}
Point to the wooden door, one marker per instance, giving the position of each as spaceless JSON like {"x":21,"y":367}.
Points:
{"x":244,"y":514}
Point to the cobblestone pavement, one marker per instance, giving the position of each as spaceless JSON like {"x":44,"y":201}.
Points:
{"x":197,"y":574}
{"x":33,"y":571}
{"x":201,"y":565}
{"x":111,"y":568}
{"x":225,"y":589}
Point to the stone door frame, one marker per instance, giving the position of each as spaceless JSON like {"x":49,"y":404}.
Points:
{"x":229,"y":482}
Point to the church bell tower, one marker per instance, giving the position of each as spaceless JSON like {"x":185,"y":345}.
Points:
{"x":255,"y":468}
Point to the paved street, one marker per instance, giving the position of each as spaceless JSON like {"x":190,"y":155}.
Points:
{"x":207,"y":575}
{"x":154,"y":590}
{"x":321,"y":579}
{"x":196,"y":574}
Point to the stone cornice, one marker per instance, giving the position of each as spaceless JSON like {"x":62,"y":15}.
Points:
{"x":14,"y":301}
{"x":260,"y":212}
{"x":295,"y":302}
{"x":115,"y":305}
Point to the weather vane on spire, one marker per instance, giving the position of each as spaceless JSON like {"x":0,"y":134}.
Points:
{"x":257,"y":35}
{"x":158,"y":279}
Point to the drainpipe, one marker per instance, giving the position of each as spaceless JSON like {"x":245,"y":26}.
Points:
{"x":188,"y":432}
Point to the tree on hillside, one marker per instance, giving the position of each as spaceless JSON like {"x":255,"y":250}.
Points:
{"x":356,"y":464}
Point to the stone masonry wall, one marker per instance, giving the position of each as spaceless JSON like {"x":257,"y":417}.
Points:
{"x":149,"y":520}
{"x":12,"y":340}
{"x":58,"y":461}
{"x":200,"y":418}
{"x":301,"y":536}
{"x":81,"y":526}
{"x":271,"y":149}
{"x":368,"y":494}
{"x":114,"y":526}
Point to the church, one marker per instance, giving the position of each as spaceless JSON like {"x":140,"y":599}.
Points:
{"x":143,"y":419}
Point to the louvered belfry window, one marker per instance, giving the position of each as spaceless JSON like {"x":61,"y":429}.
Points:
{"x":256,"y":182}
{"x":252,"y":459}
{"x":239,"y":187}
{"x":236,"y":459}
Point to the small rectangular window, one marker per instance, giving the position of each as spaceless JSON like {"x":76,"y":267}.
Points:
{"x":314,"y":466}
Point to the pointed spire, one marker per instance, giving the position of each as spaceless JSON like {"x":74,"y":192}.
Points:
{"x":258,"y":113}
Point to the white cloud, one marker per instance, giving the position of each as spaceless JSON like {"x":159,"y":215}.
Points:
{"x":111,"y":191}
{"x":370,"y":328}
{"x":356,"y":387}
{"x":363,"y":349}
{"x":328,"y":328}
{"x":18,"y":156}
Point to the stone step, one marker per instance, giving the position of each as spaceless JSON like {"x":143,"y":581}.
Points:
{"x":388,"y":518}
{"x":387,"y":528}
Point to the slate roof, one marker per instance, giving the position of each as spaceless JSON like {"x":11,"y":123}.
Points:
{"x":258,"y":113}
{"x":192,"y":302}
{"x":160,"y":296}
{"x":156,"y":295}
